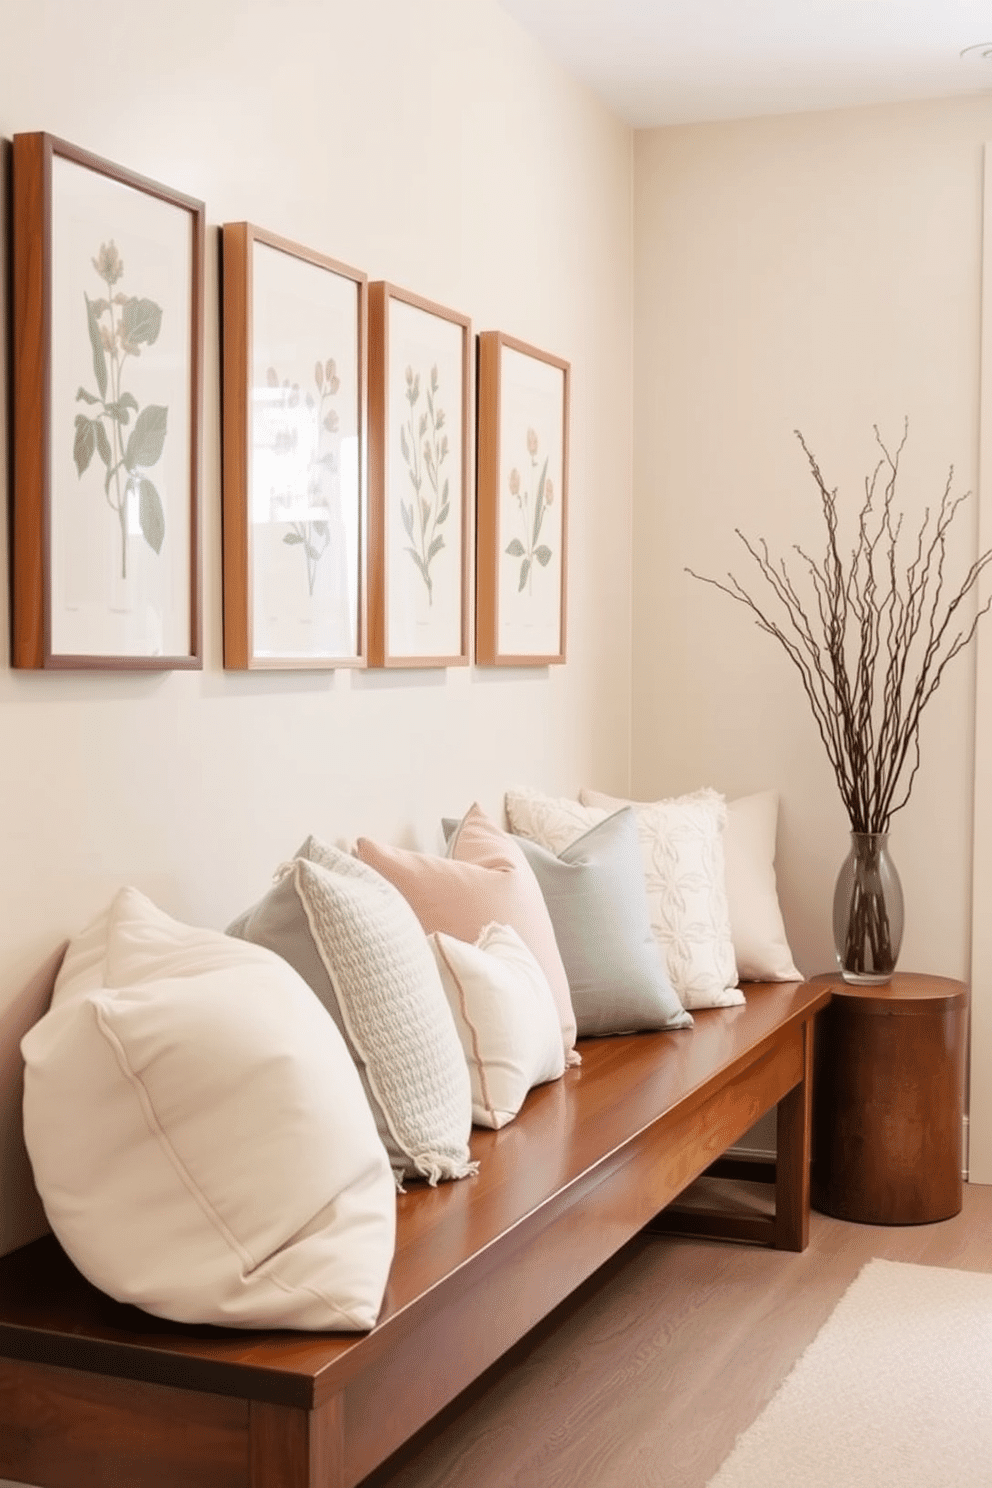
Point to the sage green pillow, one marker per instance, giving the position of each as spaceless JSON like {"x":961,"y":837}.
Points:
{"x":597,"y":900}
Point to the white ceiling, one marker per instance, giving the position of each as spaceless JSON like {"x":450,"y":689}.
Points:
{"x":682,"y":61}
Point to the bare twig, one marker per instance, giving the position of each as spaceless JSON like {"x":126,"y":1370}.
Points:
{"x":870,"y":631}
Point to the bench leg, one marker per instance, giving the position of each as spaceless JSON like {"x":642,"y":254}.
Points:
{"x":793,"y":1144}
{"x":293,"y":1448}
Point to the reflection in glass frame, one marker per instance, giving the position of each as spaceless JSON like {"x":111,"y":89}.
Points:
{"x":522,"y":504}
{"x":294,"y":454}
{"x":108,"y":333}
{"x":419,"y":420}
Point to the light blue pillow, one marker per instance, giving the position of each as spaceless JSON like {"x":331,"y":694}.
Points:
{"x":598,"y":904}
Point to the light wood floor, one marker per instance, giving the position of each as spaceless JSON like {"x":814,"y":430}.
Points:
{"x":646,"y":1379}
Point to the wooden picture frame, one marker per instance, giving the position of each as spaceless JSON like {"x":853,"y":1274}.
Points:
{"x":420,"y":377}
{"x":108,"y":335}
{"x":294,"y":443}
{"x":522,"y":511}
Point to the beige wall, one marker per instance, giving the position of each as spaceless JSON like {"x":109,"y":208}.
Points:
{"x":823,"y":273}
{"x":430,"y":144}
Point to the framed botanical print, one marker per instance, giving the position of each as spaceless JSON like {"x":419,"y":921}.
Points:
{"x":522,"y":529}
{"x":419,"y":520}
{"x":108,"y":331}
{"x":294,"y":454}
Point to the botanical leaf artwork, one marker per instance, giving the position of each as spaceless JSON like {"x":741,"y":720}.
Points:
{"x":424,"y":445}
{"x":311,"y":534}
{"x":119,"y":325}
{"x":533,"y":493}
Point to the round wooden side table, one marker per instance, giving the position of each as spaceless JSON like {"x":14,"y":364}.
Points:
{"x":888,"y":1100}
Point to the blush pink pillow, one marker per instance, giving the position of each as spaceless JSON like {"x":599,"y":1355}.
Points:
{"x":484,"y":879}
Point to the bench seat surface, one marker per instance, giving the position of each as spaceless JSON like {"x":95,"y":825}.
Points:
{"x":590,"y":1160}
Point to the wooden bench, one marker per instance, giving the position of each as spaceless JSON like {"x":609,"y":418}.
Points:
{"x":93,"y":1392}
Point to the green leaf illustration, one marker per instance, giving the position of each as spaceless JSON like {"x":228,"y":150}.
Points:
{"x":83,"y":396}
{"x":539,"y":508}
{"x":84,"y":442}
{"x":421,"y":565}
{"x":524,"y":574}
{"x":406,"y":512}
{"x":543,"y":555}
{"x":515,"y":548}
{"x":144,"y":446}
{"x":442,"y":515}
{"x":118,"y":412}
{"x":292,"y":538}
{"x":151,"y":515}
{"x":102,"y":443}
{"x":142,"y":320}
{"x":96,"y":342}
{"x":435,"y":548}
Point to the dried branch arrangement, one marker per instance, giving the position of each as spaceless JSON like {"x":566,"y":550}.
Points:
{"x":871,"y":630}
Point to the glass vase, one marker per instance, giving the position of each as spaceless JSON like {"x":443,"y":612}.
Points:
{"x":868,"y":911}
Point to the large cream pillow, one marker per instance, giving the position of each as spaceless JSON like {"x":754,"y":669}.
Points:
{"x":505,"y":1016}
{"x":685,"y":877}
{"x":199,"y":1135}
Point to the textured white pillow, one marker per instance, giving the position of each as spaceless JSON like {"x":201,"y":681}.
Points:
{"x":199,"y":1135}
{"x":355,"y":940}
{"x":760,"y":943}
{"x":506,"y":1018}
{"x":682,"y":851}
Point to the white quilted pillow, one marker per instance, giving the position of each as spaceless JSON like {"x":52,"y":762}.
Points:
{"x":682,"y":851}
{"x":506,"y":1018}
{"x":199,"y":1135}
{"x":355,"y":940}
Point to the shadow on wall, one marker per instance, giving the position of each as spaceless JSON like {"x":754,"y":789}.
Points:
{"x":22,"y":1217}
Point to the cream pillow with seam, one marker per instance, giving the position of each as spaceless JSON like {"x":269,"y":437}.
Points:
{"x":199,"y":1135}
{"x":506,"y":1019}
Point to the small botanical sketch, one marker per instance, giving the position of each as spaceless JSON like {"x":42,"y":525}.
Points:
{"x":522,"y":502}
{"x":119,"y":325}
{"x":308,"y":419}
{"x":424,"y":444}
{"x":533,"y":492}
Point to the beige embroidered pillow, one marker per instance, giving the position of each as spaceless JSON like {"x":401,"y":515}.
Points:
{"x":354,"y":939}
{"x":506,"y":1019}
{"x":682,"y":853}
{"x":199,"y":1136}
{"x":761,"y":948}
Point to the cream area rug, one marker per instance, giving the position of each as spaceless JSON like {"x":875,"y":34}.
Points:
{"x":895,"y":1391}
